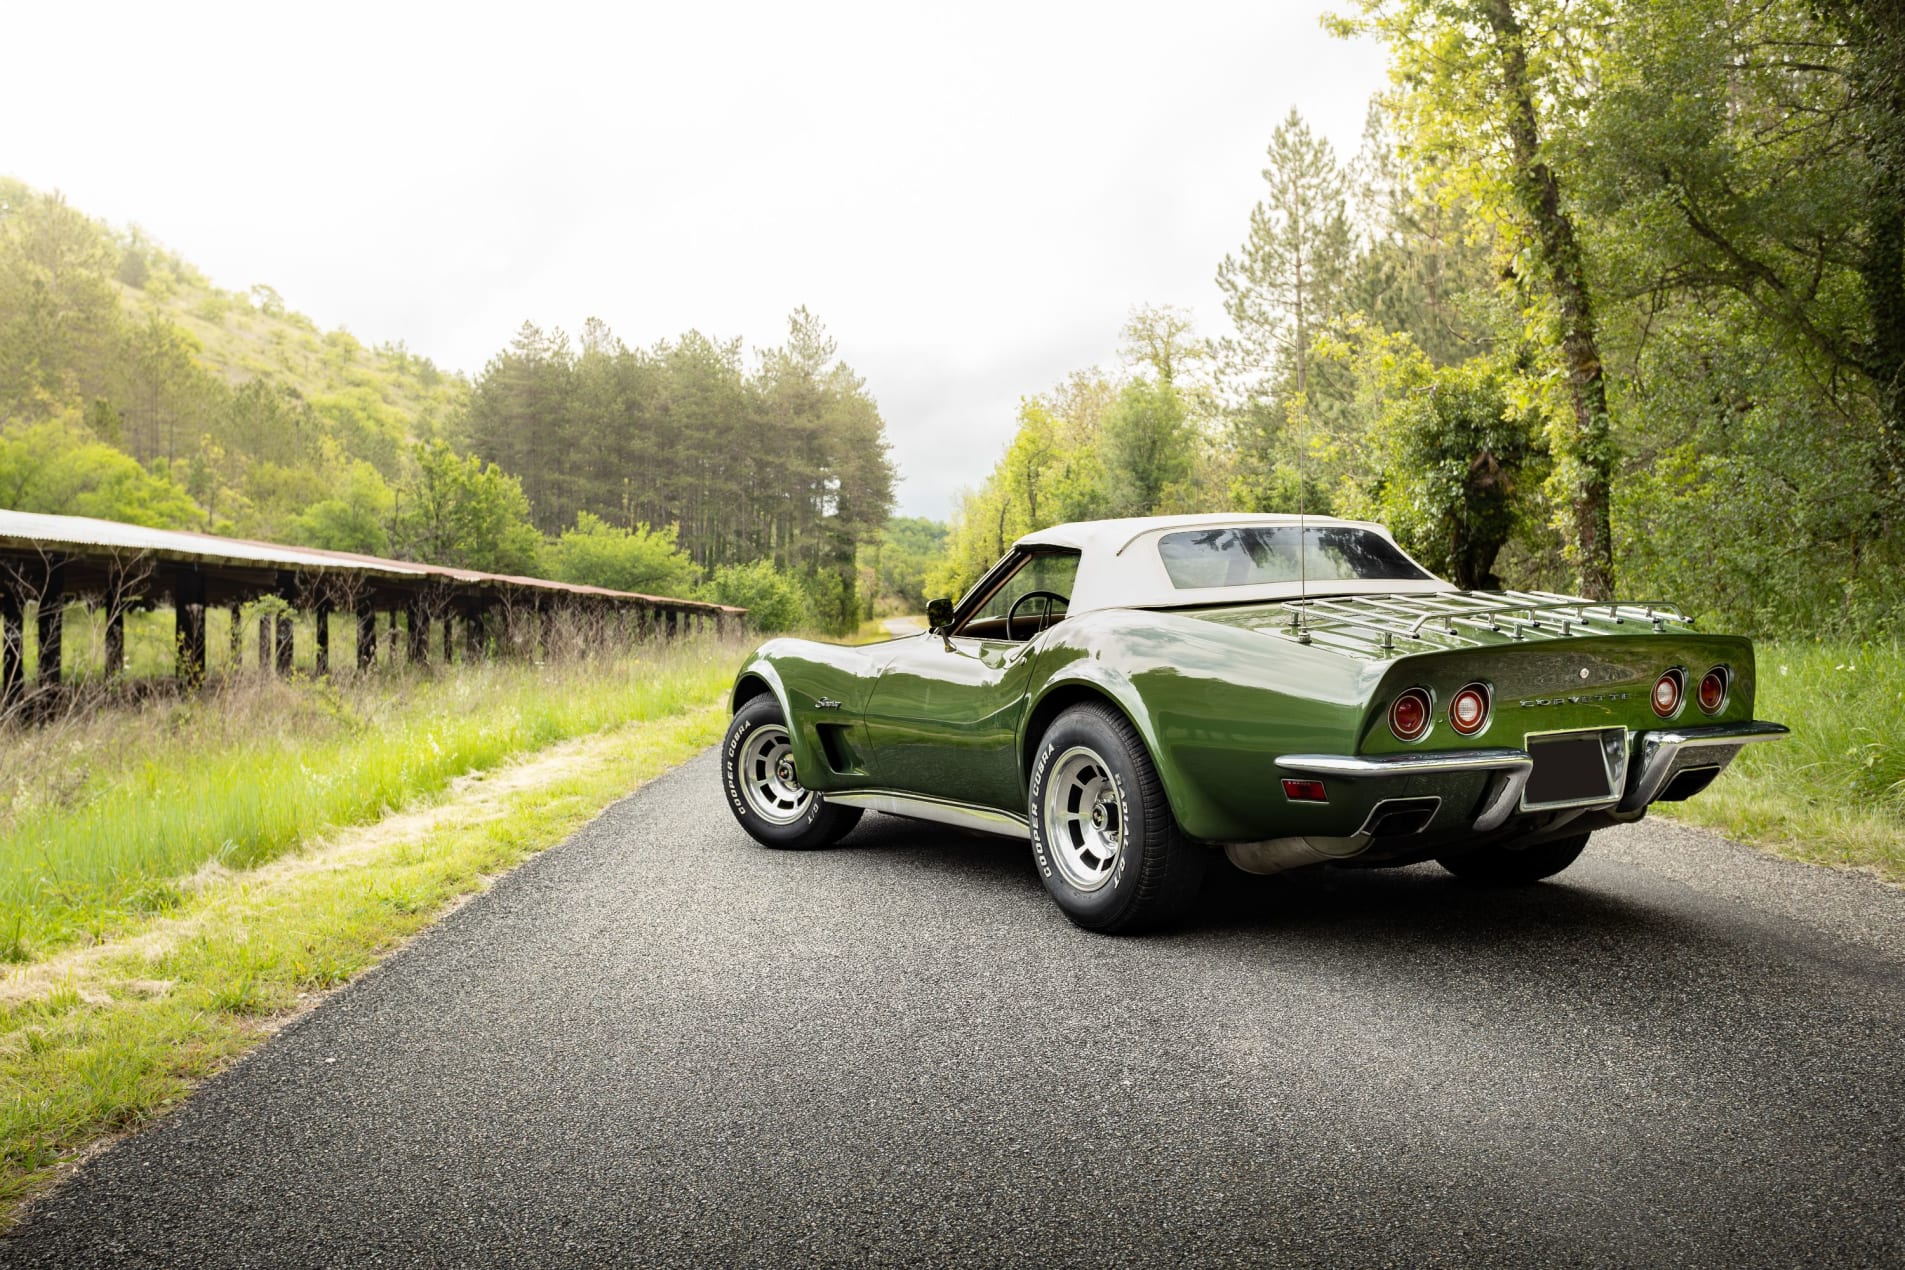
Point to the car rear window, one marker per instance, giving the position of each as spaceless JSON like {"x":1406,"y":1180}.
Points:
{"x":1260,"y":554}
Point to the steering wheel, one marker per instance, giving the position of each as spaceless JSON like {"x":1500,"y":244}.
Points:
{"x":1048,"y":597}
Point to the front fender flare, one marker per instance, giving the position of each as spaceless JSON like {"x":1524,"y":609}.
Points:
{"x":760,"y":668}
{"x":806,"y":757}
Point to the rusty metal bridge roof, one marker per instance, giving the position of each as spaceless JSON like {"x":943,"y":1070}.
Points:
{"x":44,"y":534}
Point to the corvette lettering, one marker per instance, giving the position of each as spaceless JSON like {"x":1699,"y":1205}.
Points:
{"x":1580,"y":700}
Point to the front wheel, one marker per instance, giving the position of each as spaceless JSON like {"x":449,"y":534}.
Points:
{"x":1506,"y":865}
{"x":764,"y":791}
{"x":1106,"y":845}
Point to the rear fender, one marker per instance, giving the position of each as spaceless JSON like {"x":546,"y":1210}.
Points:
{"x":1082,"y":681}
{"x":1215,"y":708}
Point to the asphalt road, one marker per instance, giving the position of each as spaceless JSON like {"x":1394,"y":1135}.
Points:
{"x":659,"y":1043}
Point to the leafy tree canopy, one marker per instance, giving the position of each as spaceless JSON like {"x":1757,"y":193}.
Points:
{"x":649,"y":561}
{"x":56,"y":466}
{"x":774,"y":601}
{"x":461,"y":511}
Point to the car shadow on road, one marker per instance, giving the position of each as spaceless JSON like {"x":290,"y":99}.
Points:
{"x":1422,"y":903}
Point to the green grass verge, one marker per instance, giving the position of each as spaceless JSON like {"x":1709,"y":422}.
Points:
{"x":102,"y":1039}
{"x":1834,"y":791}
{"x":105,"y":818}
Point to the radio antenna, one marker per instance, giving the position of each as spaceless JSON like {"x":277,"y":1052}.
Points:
{"x":1302,"y":532}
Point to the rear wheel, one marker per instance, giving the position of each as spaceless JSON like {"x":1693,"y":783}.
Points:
{"x":1107,"y":848}
{"x":764,"y":790}
{"x":1508,"y":865}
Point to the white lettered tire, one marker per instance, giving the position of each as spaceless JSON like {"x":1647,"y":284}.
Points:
{"x":1103,"y":837}
{"x":764,"y":790}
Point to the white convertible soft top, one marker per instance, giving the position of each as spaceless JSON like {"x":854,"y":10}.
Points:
{"x":1120,"y":566}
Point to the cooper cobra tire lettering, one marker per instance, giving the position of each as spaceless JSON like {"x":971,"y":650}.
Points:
{"x":729,"y":778}
{"x":1039,"y":767}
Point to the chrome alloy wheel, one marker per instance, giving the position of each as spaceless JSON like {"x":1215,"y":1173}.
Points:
{"x":768,"y":781}
{"x":1083,"y":820}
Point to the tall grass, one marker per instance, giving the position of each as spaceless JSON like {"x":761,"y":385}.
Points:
{"x":1834,"y":791}
{"x":104,"y":819}
{"x":111,"y":1040}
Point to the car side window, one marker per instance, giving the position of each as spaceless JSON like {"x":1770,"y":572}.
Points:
{"x":1053,"y":572}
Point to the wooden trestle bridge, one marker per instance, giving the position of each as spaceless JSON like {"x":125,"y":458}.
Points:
{"x":49,"y":562}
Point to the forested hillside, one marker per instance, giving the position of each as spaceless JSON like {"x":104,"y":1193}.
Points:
{"x":1612,"y":297}
{"x":133,"y":388}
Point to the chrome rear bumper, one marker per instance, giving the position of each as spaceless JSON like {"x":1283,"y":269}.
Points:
{"x":1503,"y":794}
{"x":1662,"y":756}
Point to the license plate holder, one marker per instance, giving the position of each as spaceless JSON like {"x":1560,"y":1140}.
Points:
{"x":1575,"y":769}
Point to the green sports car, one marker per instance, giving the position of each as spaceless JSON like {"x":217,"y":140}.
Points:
{"x":1135,"y":697}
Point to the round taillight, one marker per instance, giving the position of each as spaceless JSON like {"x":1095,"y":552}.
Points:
{"x":1713,"y":690}
{"x":1409,"y":715}
{"x":1668,"y":690}
{"x":1468,"y":710}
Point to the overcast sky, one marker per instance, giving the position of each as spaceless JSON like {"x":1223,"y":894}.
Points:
{"x":972,"y":197}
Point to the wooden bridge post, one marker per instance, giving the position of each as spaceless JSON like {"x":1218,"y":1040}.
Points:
{"x":366,"y":635}
{"x":52,"y":623}
{"x":449,"y":636}
{"x":321,"y":656}
{"x":12,"y":647}
{"x":188,"y":624}
{"x":286,"y":650}
{"x":472,"y":634}
{"x":264,"y":643}
{"x":236,"y":637}
{"x":419,"y":634}
{"x":115,"y":601}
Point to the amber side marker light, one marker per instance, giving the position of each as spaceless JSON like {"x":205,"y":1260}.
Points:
{"x":1409,"y":715}
{"x":1304,"y":791}
{"x":1468,"y":710}
{"x":1668,"y":689}
{"x":1712,"y":695}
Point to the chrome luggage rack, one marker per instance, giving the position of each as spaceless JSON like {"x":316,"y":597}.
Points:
{"x":1465,"y":615}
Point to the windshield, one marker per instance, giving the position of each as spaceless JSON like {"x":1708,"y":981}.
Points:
{"x":1252,"y":556}
{"x":1051,"y":572}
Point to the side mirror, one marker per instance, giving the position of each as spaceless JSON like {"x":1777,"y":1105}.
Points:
{"x":939,"y":615}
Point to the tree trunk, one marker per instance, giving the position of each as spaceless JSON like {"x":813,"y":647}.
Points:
{"x":1877,"y":40}
{"x":1589,"y":454}
{"x":1882,"y":273}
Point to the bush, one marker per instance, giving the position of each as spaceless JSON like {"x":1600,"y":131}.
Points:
{"x":57,"y":466}
{"x":352,"y":520}
{"x":596,"y":553}
{"x":833,"y":603}
{"x":773,"y":600}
